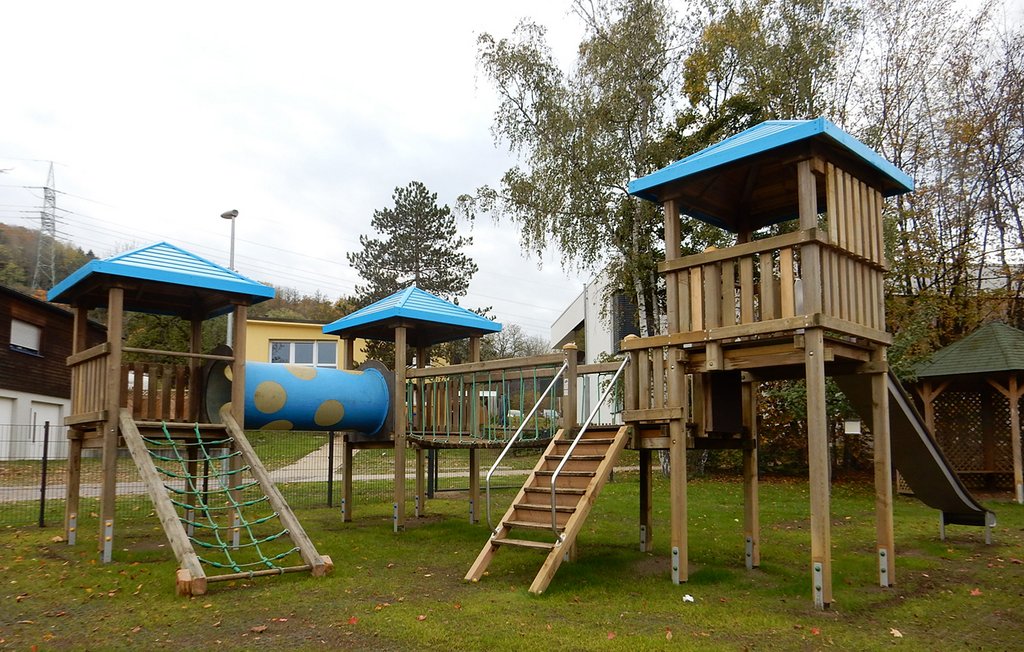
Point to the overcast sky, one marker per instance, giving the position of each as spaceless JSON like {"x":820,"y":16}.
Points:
{"x":304,"y":116}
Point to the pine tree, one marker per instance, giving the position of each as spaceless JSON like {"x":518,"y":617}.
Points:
{"x":417,"y":244}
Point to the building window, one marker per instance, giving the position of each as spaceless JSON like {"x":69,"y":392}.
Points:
{"x":305,"y":352}
{"x":25,"y":337}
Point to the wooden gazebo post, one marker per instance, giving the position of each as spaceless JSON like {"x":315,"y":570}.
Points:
{"x":401,"y":355}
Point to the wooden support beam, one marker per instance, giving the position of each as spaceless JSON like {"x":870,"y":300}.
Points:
{"x":818,"y":463}
{"x":885,"y":547}
{"x":751,"y":509}
{"x":112,"y":403}
{"x":474,"y":486}
{"x":346,"y":478}
{"x":569,"y":396}
{"x":1012,"y":392}
{"x":677,"y":461}
{"x":646,"y":500}
{"x":401,"y":355}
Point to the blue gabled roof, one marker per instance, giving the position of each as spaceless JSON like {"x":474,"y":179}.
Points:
{"x":160,"y":263}
{"x":763,"y":138}
{"x":439,"y":320}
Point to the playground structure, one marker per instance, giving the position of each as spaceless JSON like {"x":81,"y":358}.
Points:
{"x":807,"y":303}
{"x":216,"y":502}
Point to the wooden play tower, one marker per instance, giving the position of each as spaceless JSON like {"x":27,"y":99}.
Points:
{"x":802,"y":301}
{"x":201,"y":473}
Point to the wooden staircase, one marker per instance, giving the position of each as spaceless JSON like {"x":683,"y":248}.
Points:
{"x":578,"y":484}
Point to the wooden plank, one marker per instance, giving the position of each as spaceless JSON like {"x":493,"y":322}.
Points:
{"x":841,"y":213}
{"x":547,"y":360}
{"x":830,"y":203}
{"x":683,"y":297}
{"x":646,"y":383}
{"x":179,"y":354}
{"x":810,"y":257}
{"x":786,"y":283}
{"x":672,"y":301}
{"x":728,"y":293}
{"x":746,"y":273}
{"x":712,"y":295}
{"x":768,"y":305}
{"x":658,"y":369}
{"x":696,"y":300}
{"x":166,"y":381}
{"x":92,"y":353}
{"x":752,"y":248}
{"x":181,"y":411}
{"x":652,"y":414}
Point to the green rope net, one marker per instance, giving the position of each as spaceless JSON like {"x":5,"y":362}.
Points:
{"x":216,"y":499}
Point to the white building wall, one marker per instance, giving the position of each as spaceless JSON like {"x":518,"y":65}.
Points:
{"x":22,"y":417}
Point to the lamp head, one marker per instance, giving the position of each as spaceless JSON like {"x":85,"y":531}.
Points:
{"x":230,"y":215}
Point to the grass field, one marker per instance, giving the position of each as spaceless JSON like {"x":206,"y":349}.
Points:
{"x":405,"y":591}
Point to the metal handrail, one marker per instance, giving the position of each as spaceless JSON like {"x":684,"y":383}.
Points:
{"x":572,"y":447}
{"x":515,"y":436}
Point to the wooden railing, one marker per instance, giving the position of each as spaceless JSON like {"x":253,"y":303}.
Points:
{"x":485,"y":400}
{"x":768,"y":285}
{"x":88,"y":383}
{"x":156,"y":388}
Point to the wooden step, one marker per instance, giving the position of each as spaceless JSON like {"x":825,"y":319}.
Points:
{"x":564,"y":496}
{"x":531,"y":525}
{"x":569,"y":509}
{"x":595,"y":441}
{"x":547,"y":473}
{"x":524,"y":543}
{"x":575,"y":458}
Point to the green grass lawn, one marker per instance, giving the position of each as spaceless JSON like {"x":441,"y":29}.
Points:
{"x":406,"y":591}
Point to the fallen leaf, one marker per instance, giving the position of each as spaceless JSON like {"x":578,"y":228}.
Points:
{"x":458,"y":605}
{"x":421,"y":617}
{"x":611,"y":635}
{"x":975,"y":592}
{"x":57,"y":539}
{"x":815,"y":631}
{"x":258,"y":629}
{"x":20,"y":597}
{"x":668,"y":634}
{"x":136,"y":629}
{"x":353,"y":620}
{"x":895,"y":632}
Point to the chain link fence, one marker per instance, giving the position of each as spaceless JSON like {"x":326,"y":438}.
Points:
{"x":306,"y":466}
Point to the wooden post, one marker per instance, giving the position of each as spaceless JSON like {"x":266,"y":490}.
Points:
{"x":474,"y":454}
{"x":79,"y":343}
{"x":348,"y":358}
{"x":751,"y":510}
{"x":112,"y":403}
{"x":810,"y":254}
{"x":237,"y":401}
{"x":569,"y":395}
{"x":401,"y":355}
{"x":672,"y":244}
{"x":677,"y":462}
{"x":885,"y":549}
{"x":646,"y":500}
{"x":1012,"y":392}
{"x":195,"y":371}
{"x":818,"y":463}
{"x":421,"y":460}
{"x":346,"y":478}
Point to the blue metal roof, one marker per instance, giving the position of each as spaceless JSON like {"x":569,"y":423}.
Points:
{"x":444,"y":321}
{"x":161,"y":263}
{"x":763,"y":138}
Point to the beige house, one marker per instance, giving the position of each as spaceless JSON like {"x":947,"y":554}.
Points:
{"x":294,"y":342}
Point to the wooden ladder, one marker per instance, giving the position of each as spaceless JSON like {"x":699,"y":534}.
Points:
{"x":577,"y":487}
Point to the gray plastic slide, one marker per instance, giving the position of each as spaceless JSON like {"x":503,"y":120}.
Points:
{"x":916,"y":455}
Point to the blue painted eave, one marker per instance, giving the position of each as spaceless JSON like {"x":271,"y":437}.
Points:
{"x":763,"y":138}
{"x":162,"y":263}
{"x":413,"y":304}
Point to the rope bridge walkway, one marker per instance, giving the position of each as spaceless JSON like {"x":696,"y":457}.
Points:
{"x":217,"y":504}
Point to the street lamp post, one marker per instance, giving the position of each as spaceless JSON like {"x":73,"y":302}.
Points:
{"x":231,"y":215}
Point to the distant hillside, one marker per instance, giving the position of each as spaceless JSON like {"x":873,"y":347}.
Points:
{"x":18,"y":249}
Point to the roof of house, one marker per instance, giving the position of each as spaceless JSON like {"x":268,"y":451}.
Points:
{"x":17,"y":295}
{"x":992,"y":348}
{"x":430,"y":319}
{"x":161,"y":279}
{"x":752,"y":173}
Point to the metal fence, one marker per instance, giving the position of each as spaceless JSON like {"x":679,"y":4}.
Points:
{"x":306,"y":466}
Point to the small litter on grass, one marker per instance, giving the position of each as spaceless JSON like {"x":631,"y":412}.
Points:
{"x":687,"y":598}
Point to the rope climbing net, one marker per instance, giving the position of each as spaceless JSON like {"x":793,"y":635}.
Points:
{"x":218,"y":501}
